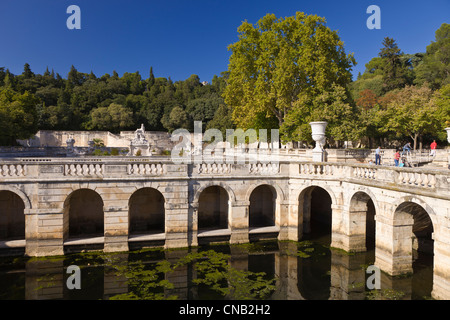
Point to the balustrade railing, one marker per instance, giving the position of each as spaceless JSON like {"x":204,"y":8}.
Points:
{"x":146,"y":169}
{"x":13,"y":170}
{"x":263,"y":168}
{"x":85,"y":169}
{"x":213,"y":168}
{"x":95,"y":168}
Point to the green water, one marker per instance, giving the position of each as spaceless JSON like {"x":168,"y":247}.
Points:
{"x":262,"y":270}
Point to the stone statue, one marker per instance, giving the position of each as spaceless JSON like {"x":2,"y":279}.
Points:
{"x":140,"y":143}
{"x":139,"y":137}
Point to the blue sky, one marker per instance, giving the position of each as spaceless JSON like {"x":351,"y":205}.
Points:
{"x":184,"y":37}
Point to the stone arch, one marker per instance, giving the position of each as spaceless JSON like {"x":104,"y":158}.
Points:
{"x":419,"y":202}
{"x":146,"y":211}
{"x":279,"y":192}
{"x":307,"y":202}
{"x":231,"y":195}
{"x":367,"y":191}
{"x":398,"y":237}
{"x":20,"y":193}
{"x":417,"y":217}
{"x":12,"y":216}
{"x":83,"y":214}
{"x":263,"y":206}
{"x":213,"y":208}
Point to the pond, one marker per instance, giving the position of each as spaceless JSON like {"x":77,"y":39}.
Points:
{"x":266,"y":270}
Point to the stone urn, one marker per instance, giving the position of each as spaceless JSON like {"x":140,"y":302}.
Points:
{"x":448,"y":134}
{"x":318,"y":135}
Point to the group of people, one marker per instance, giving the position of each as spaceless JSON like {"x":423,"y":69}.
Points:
{"x":398,"y":156}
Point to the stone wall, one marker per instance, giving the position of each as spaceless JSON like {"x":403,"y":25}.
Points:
{"x":46,"y":138}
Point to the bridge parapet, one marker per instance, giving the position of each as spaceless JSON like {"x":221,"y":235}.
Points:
{"x":383,"y":176}
{"x":419,"y":179}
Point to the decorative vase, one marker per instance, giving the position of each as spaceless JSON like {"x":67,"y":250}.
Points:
{"x":448,"y":134}
{"x":318,"y":135}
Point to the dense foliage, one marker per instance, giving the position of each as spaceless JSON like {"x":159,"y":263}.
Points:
{"x":405,"y":97}
{"x":283,"y":73}
{"x":31,"y":102}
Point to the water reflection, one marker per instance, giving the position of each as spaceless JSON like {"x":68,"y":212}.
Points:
{"x":304,"y":270}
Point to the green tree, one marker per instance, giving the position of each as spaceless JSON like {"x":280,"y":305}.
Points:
{"x":18,"y":116}
{"x":442,"y":100}
{"x":332,"y":106}
{"x":27,"y":73}
{"x":435,"y":69}
{"x":114,"y":118}
{"x":176,"y":119}
{"x":412,"y":112}
{"x":394,"y":69}
{"x":279,"y":62}
{"x":222,"y":119}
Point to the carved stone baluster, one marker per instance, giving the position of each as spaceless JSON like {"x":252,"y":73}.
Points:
{"x":419,"y":179}
{"x":412,"y":178}
{"x":425,"y":180}
{"x":432,"y":181}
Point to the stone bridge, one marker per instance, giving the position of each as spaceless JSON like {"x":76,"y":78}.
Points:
{"x":50,"y":206}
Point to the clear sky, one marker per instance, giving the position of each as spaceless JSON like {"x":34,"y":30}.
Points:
{"x":184,"y":37}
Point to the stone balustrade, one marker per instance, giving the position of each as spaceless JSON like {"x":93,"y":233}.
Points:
{"x":424,"y":179}
{"x":95,"y":168}
{"x":13,"y":170}
{"x":213,"y":168}
{"x":146,"y":169}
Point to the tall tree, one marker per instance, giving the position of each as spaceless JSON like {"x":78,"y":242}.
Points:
{"x":278,"y":62}
{"x":435,"y":69}
{"x":395,"y":71}
{"x":27,"y":73}
{"x":412,"y":112}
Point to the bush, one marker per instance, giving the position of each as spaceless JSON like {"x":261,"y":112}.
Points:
{"x":114,"y":152}
{"x":97,"y":152}
{"x":138,"y":153}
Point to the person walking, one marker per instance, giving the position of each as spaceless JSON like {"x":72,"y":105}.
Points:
{"x":378,"y":156}
{"x":396,"y":158}
{"x":406,"y":147}
{"x":433,"y":146}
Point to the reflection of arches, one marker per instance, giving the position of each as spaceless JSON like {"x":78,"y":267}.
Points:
{"x":314,"y":278}
{"x":12,"y":216}
{"x":315,"y":212}
{"x":83,"y":211}
{"x":146,"y":211}
{"x":362,"y":217}
{"x":262,"y":206}
{"x":213,"y":208}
